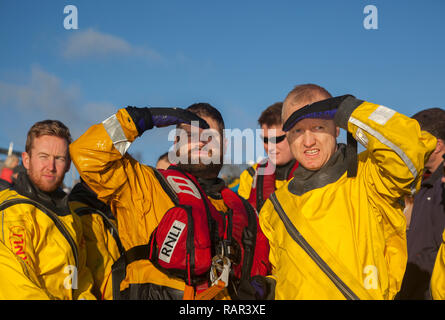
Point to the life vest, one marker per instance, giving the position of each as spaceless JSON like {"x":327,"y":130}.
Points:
{"x":263,"y":184}
{"x":193,"y":232}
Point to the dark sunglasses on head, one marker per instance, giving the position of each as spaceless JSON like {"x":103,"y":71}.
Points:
{"x":275,"y":140}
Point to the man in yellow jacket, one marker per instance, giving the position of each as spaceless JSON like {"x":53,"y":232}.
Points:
{"x":42,"y":250}
{"x":142,"y":198}
{"x":336,"y":230}
{"x":101,"y":236}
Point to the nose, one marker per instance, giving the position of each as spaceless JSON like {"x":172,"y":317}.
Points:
{"x":51,"y":164}
{"x":308,"y":139}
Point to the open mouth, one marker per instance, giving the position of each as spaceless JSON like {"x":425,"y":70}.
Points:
{"x":312,"y":152}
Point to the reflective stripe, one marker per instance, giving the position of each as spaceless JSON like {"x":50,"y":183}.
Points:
{"x":390,"y":145}
{"x":116,"y":133}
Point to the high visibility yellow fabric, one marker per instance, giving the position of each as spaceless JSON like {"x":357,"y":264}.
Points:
{"x":36,"y":260}
{"x":246,"y":182}
{"x":132,"y":191}
{"x":438,"y":276}
{"x":102,"y":250}
{"x":354,"y":224}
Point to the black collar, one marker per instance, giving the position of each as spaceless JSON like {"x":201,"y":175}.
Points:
{"x":212,"y":187}
{"x":306,"y":180}
{"x":56,"y":201}
{"x":282,"y":172}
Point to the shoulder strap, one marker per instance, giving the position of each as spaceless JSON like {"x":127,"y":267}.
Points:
{"x":108,"y":224}
{"x":166,"y":186}
{"x":251,"y":171}
{"x":58,"y":223}
{"x":301,"y":241}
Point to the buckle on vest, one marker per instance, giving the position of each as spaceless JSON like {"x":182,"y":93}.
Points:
{"x":220,"y":270}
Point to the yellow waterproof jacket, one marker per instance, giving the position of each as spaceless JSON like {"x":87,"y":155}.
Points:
{"x":438,"y":276}
{"x":133,"y":192}
{"x":42,"y":254}
{"x":354,"y":225}
{"x":100,"y":234}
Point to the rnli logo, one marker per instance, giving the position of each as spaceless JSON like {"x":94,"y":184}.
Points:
{"x":17,"y":241}
{"x":171,"y":240}
{"x":182,"y":185}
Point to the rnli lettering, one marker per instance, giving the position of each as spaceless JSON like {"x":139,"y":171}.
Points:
{"x":17,"y":241}
{"x":171,"y":240}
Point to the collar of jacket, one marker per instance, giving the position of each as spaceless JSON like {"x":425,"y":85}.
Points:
{"x":429,"y":182}
{"x":212,"y":187}
{"x":56,"y":201}
{"x":306,"y":180}
{"x":282,"y":172}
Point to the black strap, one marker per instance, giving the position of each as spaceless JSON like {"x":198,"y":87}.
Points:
{"x":108,"y":224}
{"x":259,"y":188}
{"x":251,"y":171}
{"x":351,"y":155}
{"x":248,"y":239}
{"x":301,"y":241}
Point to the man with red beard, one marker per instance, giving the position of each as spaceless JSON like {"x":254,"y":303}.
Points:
{"x":186,"y":235}
{"x":42,"y":250}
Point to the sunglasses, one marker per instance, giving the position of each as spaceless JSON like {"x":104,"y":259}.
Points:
{"x":274,"y":140}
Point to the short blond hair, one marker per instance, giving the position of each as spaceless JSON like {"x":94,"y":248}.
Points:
{"x":47,"y":128}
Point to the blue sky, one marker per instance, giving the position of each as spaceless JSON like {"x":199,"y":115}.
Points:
{"x":240,"y":56}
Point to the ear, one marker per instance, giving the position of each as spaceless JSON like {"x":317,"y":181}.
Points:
{"x":440,"y":146}
{"x":337,"y":131}
{"x":25,"y":160}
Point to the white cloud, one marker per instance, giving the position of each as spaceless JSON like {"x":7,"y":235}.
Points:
{"x":92,"y":43}
{"x":45,"y":96}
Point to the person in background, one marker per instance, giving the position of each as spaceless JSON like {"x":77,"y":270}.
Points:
{"x":426,"y":215}
{"x":42,"y":249}
{"x":102,"y":239}
{"x":11,"y":162}
{"x":163,"y":162}
{"x":259,"y":181}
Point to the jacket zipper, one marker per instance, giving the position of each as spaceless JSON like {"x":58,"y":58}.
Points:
{"x":301,"y":241}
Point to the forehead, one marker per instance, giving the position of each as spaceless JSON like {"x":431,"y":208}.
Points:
{"x":50,"y":144}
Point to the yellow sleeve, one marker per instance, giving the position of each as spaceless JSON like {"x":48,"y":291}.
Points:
{"x":438,"y":277}
{"x":99,"y":154}
{"x":396,"y":146}
{"x":245,"y":184}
